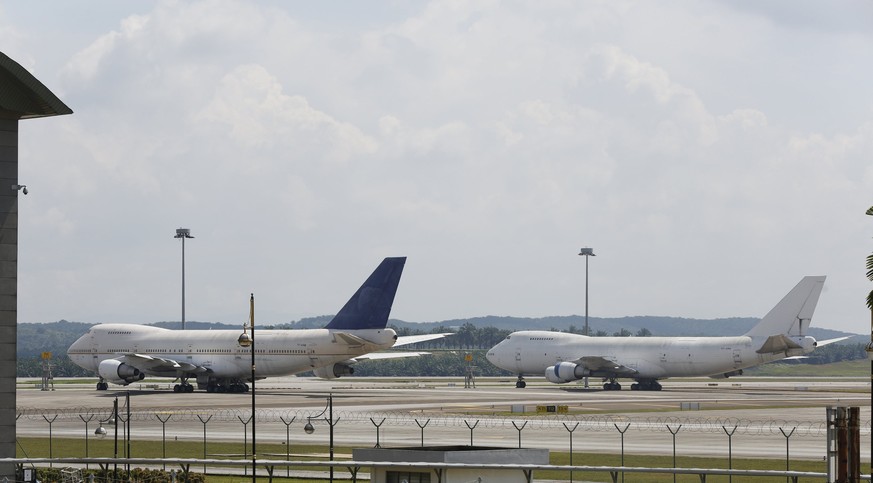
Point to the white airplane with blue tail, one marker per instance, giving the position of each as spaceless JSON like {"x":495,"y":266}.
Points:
{"x":124,"y":353}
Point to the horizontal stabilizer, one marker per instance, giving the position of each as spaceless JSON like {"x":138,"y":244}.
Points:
{"x":414,"y":339}
{"x":831,"y":341}
{"x":350,"y":340}
{"x":777,"y":343}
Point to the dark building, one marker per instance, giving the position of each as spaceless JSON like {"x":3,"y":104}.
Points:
{"x":22,"y":96}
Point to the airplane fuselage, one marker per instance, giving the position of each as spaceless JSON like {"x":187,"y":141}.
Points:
{"x":651,"y":358}
{"x":217,"y":352}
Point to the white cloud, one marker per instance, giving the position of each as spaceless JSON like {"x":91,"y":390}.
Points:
{"x":251,"y":102}
{"x":694,"y":146}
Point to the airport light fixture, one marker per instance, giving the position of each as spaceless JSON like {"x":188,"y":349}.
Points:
{"x":246,"y":340}
{"x":183,"y":233}
{"x":586,"y":252}
{"x":309,"y":428}
{"x":101,"y":432}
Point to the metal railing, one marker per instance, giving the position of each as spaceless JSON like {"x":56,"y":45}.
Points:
{"x":266,"y":468}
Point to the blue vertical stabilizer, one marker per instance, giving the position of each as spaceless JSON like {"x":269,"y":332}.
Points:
{"x":370,"y":306}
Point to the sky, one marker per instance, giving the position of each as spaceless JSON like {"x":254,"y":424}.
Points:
{"x":711,"y":153}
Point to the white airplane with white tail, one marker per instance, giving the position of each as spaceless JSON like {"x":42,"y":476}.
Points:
{"x":123,"y":353}
{"x":563,"y":357}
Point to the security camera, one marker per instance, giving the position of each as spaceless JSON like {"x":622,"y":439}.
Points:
{"x":21,"y":187}
{"x":24,"y":189}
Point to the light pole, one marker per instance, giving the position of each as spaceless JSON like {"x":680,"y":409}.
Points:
{"x":101,"y":431}
{"x":183,"y":233}
{"x":586,"y":252}
{"x":245,"y":340}
{"x":309,"y":428}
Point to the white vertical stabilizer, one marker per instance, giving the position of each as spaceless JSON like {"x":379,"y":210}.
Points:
{"x":791,"y":316}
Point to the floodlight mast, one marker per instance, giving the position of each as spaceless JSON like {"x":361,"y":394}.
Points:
{"x":183,"y":233}
{"x":586,"y":252}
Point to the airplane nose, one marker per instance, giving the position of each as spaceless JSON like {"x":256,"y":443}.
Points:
{"x":493,"y":355}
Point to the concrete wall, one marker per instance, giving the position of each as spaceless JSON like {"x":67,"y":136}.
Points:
{"x":8,"y":287}
{"x":454,"y":454}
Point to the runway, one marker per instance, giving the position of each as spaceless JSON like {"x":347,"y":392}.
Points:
{"x":699,"y":411}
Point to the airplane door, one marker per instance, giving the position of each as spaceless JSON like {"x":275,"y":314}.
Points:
{"x":738,"y":357}
{"x":93,"y":348}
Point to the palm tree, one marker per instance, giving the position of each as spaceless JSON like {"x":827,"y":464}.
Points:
{"x":870,"y":306}
{"x":870,"y":276}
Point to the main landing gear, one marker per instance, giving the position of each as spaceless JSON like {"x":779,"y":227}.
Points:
{"x":612,"y":386}
{"x":184,"y":387}
{"x":102,"y":385}
{"x":520,"y":384}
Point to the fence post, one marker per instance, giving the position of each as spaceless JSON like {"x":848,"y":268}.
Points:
{"x":571,"y":446}
{"x":378,"y":445}
{"x":164,"y":435}
{"x":471,"y":430}
{"x":204,"y":421}
{"x":287,"y":442}
{"x":730,"y":435}
{"x":674,"y":447}
{"x":519,"y":432}
{"x":622,"y":431}
{"x":86,"y":421}
{"x":50,"y":421}
{"x":245,"y":441}
{"x":422,"y":429}
{"x":787,"y":437}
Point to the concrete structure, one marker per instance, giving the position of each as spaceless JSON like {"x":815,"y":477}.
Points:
{"x":22,"y":96}
{"x":473,"y":455}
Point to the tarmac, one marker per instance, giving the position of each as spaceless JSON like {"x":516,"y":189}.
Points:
{"x":738,"y":417}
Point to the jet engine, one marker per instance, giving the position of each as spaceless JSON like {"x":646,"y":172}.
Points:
{"x":334,"y":371}
{"x":118,"y":372}
{"x":563,"y":372}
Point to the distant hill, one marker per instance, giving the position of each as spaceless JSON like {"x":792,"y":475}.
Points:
{"x":56,"y":337}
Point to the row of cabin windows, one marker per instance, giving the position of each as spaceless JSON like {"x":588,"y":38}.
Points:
{"x":206,"y":351}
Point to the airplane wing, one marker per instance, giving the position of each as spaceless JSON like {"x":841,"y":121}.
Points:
{"x":601,"y":365}
{"x":155,"y":365}
{"x":412,"y":339}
